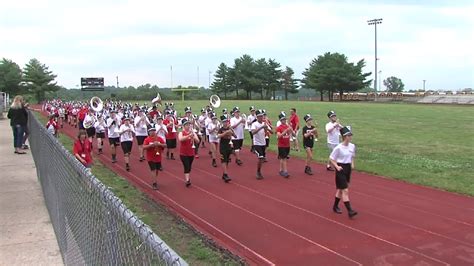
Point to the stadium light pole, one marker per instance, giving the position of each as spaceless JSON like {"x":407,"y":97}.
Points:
{"x":424,"y":82}
{"x":117,"y":82}
{"x":375,"y":22}
{"x":380,"y":80}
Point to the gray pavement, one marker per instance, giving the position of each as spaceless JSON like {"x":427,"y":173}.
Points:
{"x":26,"y":233}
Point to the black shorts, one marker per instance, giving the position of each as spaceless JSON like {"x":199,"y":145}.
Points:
{"x":100,"y":135}
{"x":343,"y":177}
{"x":225,"y":155}
{"x":283,"y":152}
{"x":260,"y":151}
{"x":90,"y":132}
{"x":81,"y":126}
{"x":187,"y":163}
{"x":154,"y":165}
{"x":114,"y":141}
{"x":140,"y":139}
{"x":237,"y":143}
{"x":170,"y":143}
{"x":127,"y":146}
{"x":308,"y":144}
{"x":267,"y":142}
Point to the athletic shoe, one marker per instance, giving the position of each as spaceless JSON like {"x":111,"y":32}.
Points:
{"x":187,"y":183}
{"x":25,"y":147}
{"x":259,"y":176}
{"x":155,"y":186}
{"x":329,"y":168}
{"x":286,"y":175}
{"x":127,"y":167}
{"x":281,"y":173}
{"x":352,"y":213}
{"x":336,"y":210}
{"x":238,"y":162}
{"x":226,"y":178}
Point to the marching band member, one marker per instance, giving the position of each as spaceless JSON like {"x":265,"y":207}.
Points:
{"x":206,"y":123}
{"x":62,"y":115}
{"x":88,"y":124}
{"x":251,"y":118}
{"x":161,"y":129}
{"x":74,"y":112}
{"x":342,"y":158}
{"x":126,"y":133}
{"x":202,"y":125}
{"x":82,"y":149}
{"x":186,"y":150}
{"x":332,"y":128}
{"x":154,"y":146}
{"x":52,"y":126}
{"x":284,"y":132}
{"x":237,"y":123}
{"x":295,"y":125}
{"x":259,"y":128}
{"x":81,"y":115}
{"x":310,"y":135}
{"x":141,"y":124}
{"x":225,"y":135}
{"x":100,"y":126}
{"x":267,"y":133}
{"x":113,"y":126}
{"x":212,"y":129}
{"x":171,"y":124}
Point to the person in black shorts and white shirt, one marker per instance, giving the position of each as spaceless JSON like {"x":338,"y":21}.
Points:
{"x":332,"y":129}
{"x":225,"y":135}
{"x":113,"y":125}
{"x":100,"y":125}
{"x":251,"y":118}
{"x":237,"y":123}
{"x":342,"y":158}
{"x":126,"y":133}
{"x":141,"y":124}
{"x":310,"y":135}
{"x":258,"y":130}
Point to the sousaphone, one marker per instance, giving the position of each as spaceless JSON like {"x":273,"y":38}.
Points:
{"x":215,"y":101}
{"x":157,"y":99}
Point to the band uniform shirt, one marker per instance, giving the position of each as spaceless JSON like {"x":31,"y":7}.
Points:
{"x":126,"y":136}
{"x":224,"y":142}
{"x":343,"y":154}
{"x":170,"y":123}
{"x":239,"y":130}
{"x":161,"y":130}
{"x":151,"y":153}
{"x":212,"y":132}
{"x":284,"y":140}
{"x":333,"y":133}
{"x":308,"y":141}
{"x":52,"y":126}
{"x":206,"y":123}
{"x":250,"y":119}
{"x":186,"y":147}
{"x":259,"y":137}
{"x":141,"y":128}
{"x":294,"y":121}
{"x":113,"y":127}
{"x":100,"y":126}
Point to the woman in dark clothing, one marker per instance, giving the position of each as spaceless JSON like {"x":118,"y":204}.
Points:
{"x":18,"y":120}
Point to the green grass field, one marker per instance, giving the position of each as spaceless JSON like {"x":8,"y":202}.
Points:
{"x":431,"y":145}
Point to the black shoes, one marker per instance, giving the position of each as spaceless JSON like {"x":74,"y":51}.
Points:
{"x":155,"y":186}
{"x":308,"y":171}
{"x":336,"y":210}
{"x":127,"y":167}
{"x":226,"y":178}
{"x":238,"y":162}
{"x":259,"y":176}
{"x":214,"y":164}
{"x":188,"y":183}
{"x":352,"y":213}
{"x":329,"y":168}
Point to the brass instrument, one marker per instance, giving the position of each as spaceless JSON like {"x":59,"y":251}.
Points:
{"x":96,"y":104}
{"x":215,"y":101}
{"x":157,"y":99}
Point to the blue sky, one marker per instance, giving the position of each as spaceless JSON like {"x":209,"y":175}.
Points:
{"x":138,"y":41}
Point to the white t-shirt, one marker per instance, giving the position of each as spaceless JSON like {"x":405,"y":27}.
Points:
{"x":250,"y":119}
{"x":161,"y":130}
{"x":207,"y":122}
{"x":333,"y":133}
{"x":202,"y":120}
{"x":259,"y":137}
{"x":343,"y":153}
{"x":126,"y":136}
{"x":112,"y":130}
{"x":212,"y":130}
{"x":238,"y":130}
{"x":100,"y":126}
{"x":141,"y":126}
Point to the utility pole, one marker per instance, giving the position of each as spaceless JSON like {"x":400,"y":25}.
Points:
{"x":375,"y":22}
{"x":424,"y":82}
{"x":117,"y":82}
{"x":380,"y":80}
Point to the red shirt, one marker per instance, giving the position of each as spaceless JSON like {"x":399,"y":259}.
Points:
{"x":294,"y":121}
{"x":283,"y":141}
{"x":53,"y":123}
{"x":82,"y":114}
{"x":84,"y":150}
{"x":169,"y":127}
{"x":185,"y":147}
{"x":151,"y":153}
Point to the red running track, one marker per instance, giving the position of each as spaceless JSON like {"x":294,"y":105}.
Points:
{"x":290,"y":221}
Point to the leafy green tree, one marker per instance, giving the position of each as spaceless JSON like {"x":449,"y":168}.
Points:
{"x":10,"y":77}
{"x":333,"y":73}
{"x":39,"y":80}
{"x":289,"y":83}
{"x":273,"y":78}
{"x":394,"y":84}
{"x":245,"y":76}
{"x":222,"y":80}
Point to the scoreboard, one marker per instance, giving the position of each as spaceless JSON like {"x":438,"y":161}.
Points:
{"x":92,"y":84}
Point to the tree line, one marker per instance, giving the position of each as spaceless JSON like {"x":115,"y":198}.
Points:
{"x":246,"y":78}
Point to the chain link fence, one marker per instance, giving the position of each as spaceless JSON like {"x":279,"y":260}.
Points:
{"x":92,"y":225}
